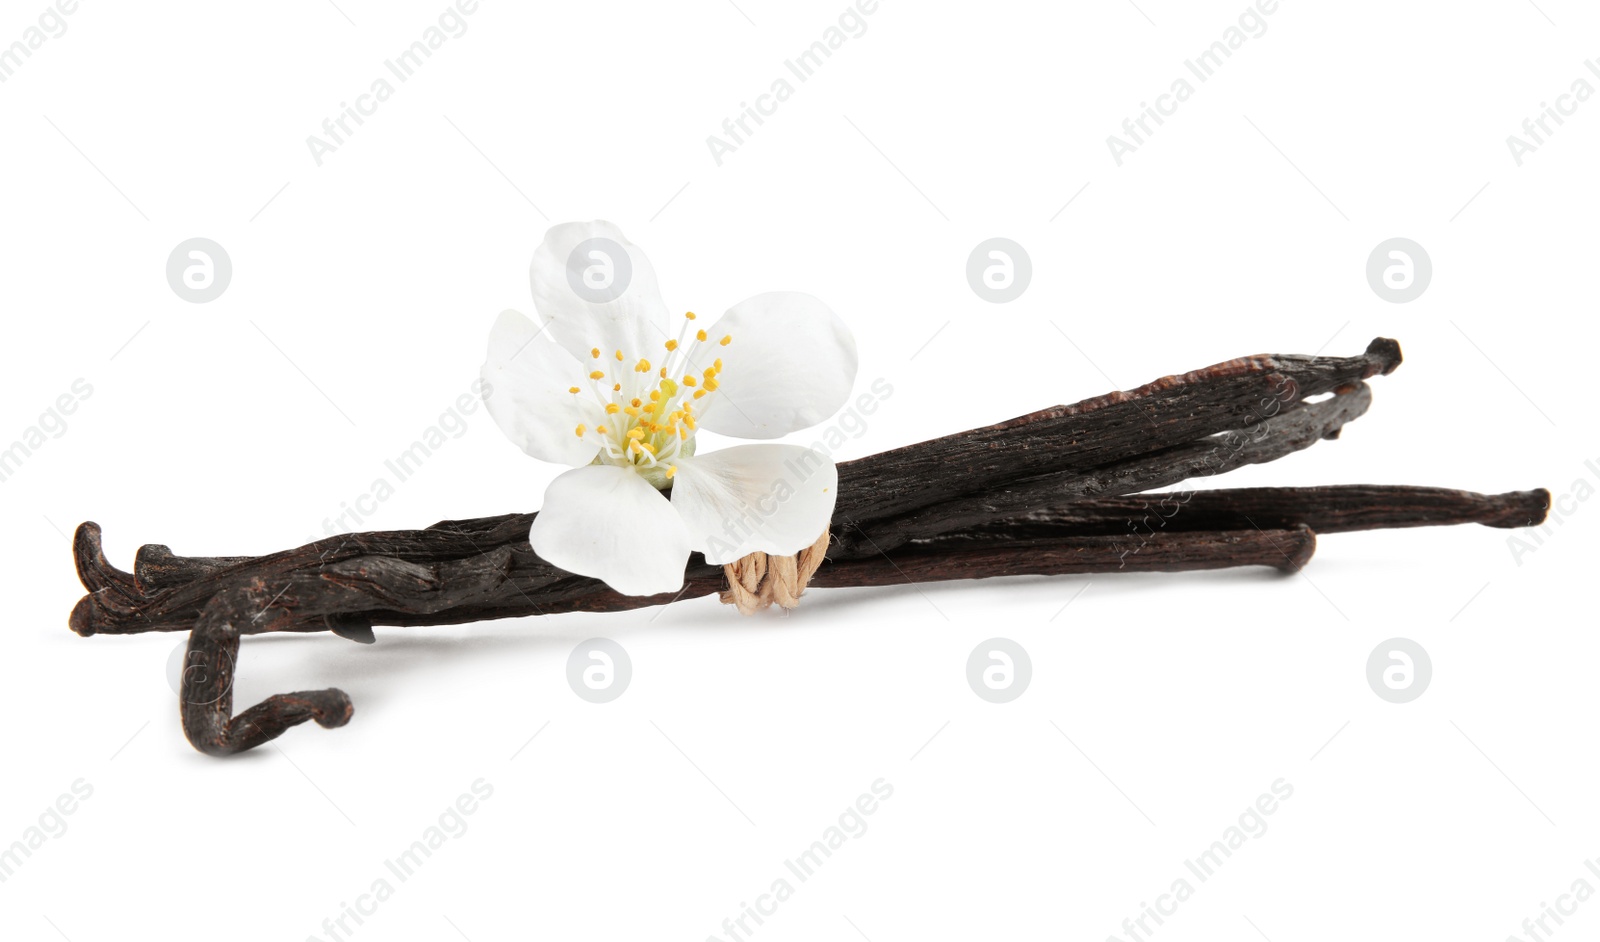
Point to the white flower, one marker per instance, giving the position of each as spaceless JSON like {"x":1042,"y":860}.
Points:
{"x":604,"y":387}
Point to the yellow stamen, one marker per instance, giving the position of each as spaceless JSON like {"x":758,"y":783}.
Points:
{"x":597,"y":374}
{"x":726,"y":339}
{"x":698,"y":393}
{"x":573,"y":390}
{"x":643,"y":366}
{"x":632,"y":411}
{"x":700,"y":335}
{"x":612,"y":408}
{"x":672,"y":345}
{"x":581,"y":430}
{"x":636,"y":403}
{"x":595,"y":353}
{"x":672,"y":469}
{"x":636,"y":433}
{"x":689,"y":315}
{"x":689,"y":380}
{"x":619,"y":356}
{"x":711,"y":385}
{"x":601,"y":429}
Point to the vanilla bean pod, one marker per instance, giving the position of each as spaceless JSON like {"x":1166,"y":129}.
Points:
{"x":1339,"y":508}
{"x":1056,"y":491}
{"x":1266,"y":440}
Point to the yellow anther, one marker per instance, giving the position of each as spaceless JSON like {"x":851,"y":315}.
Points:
{"x":573,"y":390}
{"x":655,"y":395}
{"x":632,"y":410}
{"x":683,"y":432}
{"x":688,"y":420}
{"x":672,"y":469}
{"x":711,"y":385}
{"x":643,"y":366}
{"x":581,"y":430}
{"x":612,"y":408}
{"x":689,"y":380}
{"x":616,"y":387}
{"x":595,"y":353}
{"x":597,"y":374}
{"x":636,"y":433}
{"x":636,"y":403}
{"x":663,"y":373}
{"x":619,"y":356}
{"x":700,"y":335}
{"x":689,"y":315}
{"x":647,"y":447}
{"x":601,"y":429}
{"x":672,"y":345}
{"x":726,"y":339}
{"x":698,"y":393}
{"x":633,"y":446}
{"x":717,"y":363}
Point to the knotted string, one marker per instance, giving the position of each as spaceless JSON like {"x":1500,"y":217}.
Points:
{"x":758,"y":580}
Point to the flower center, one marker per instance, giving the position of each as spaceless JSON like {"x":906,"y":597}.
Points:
{"x":650,"y":416}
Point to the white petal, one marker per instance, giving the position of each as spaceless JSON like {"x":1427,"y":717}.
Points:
{"x":790,"y":365}
{"x":749,"y":498}
{"x":594,"y":288}
{"x":608,"y":523}
{"x":528,"y":378}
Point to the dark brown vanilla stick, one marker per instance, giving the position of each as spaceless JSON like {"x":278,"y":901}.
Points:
{"x":1227,"y":397}
{"x":1264,"y":441}
{"x":1331,"y":509}
{"x":446,"y":591}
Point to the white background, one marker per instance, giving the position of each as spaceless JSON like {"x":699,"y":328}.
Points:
{"x":1161,"y":706}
